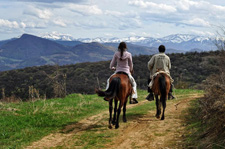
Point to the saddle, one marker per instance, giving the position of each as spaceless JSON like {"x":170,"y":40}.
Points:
{"x":154,"y":76}
{"x":121,"y":72}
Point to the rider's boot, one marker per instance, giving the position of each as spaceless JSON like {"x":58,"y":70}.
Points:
{"x":170,"y":95}
{"x":133,"y":101}
{"x":150,"y":96}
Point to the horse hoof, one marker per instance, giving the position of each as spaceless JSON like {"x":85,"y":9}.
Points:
{"x":117,"y":126}
{"x":113,"y":123}
{"x":124,"y":120}
{"x":157,"y":116}
{"x":162,"y":118}
{"x":110,"y":127}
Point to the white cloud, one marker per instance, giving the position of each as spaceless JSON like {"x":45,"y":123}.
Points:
{"x":85,"y":9}
{"x":198,"y":22}
{"x":59,"y":22}
{"x":114,"y":13}
{"x":11,"y":24}
{"x":52,"y":1}
{"x":203,"y":33}
{"x":153,"y":7}
{"x":186,"y":4}
{"x":42,"y":14}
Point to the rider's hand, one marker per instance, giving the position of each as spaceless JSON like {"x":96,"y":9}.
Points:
{"x":113,"y":68}
{"x":132,"y":71}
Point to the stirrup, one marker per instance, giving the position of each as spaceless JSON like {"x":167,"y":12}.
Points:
{"x":150,"y":97}
{"x":133,"y":101}
{"x":170,"y":96}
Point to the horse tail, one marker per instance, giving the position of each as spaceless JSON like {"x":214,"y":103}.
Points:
{"x":113,"y":89}
{"x":162,"y":86}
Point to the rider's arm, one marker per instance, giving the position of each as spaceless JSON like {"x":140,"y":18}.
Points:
{"x":130,"y":63}
{"x":151,"y":63}
{"x":113,"y":62}
{"x":169,"y":65}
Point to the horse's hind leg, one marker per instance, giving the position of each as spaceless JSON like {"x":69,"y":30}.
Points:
{"x":124,"y":112}
{"x":158,"y":107}
{"x":110,"y":113}
{"x":164,"y":107}
{"x":118,"y":115}
{"x":115,"y":110}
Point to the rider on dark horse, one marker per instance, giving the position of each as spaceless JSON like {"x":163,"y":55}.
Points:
{"x":159,"y":62}
{"x":122,"y":59}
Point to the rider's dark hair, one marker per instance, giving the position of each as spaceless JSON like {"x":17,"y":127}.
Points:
{"x":122,"y":47}
{"x":162,"y":48}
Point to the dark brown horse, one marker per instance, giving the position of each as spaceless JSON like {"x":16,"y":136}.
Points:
{"x":119,"y":89}
{"x":161,"y":87}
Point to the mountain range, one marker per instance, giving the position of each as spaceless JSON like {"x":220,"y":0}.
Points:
{"x":180,"y":42}
{"x":29,"y":50}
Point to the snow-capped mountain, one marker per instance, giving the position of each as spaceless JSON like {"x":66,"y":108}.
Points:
{"x":133,"y":39}
{"x":182,"y":42}
{"x":57,"y":36}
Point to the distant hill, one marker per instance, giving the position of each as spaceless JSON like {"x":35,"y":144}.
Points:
{"x":68,"y":43}
{"x":5,"y":41}
{"x":29,"y":46}
{"x":135,"y":49}
{"x":29,"y":50}
{"x":91,"y":52}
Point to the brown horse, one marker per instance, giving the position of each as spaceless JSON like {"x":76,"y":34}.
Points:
{"x":119,"y":89}
{"x":161,"y":87}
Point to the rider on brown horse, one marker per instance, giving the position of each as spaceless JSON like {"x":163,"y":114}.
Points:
{"x":122,"y":59}
{"x":159,"y":62}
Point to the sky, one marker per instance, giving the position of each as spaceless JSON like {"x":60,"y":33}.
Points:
{"x":110,"y":18}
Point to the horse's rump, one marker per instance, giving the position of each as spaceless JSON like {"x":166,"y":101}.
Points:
{"x":161,"y":85}
{"x":125,"y":88}
{"x":119,"y":87}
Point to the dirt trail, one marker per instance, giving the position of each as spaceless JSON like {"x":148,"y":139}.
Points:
{"x":144,"y":132}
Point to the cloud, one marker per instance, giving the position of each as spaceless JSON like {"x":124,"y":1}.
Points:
{"x":180,"y":12}
{"x":59,"y":22}
{"x":153,"y":7}
{"x":90,"y":24}
{"x":53,"y":1}
{"x":85,"y":9}
{"x":42,"y":14}
{"x":198,"y":22}
{"x":203,"y":33}
{"x":114,"y":13}
{"x":186,"y":4}
{"x":12,"y":24}
{"x":118,"y":14}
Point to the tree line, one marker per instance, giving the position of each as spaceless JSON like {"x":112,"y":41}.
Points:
{"x":188,"y":71}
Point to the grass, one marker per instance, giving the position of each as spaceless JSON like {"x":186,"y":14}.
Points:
{"x":195,"y":135}
{"x":24,"y":122}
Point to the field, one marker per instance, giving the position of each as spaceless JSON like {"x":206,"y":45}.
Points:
{"x":76,"y":121}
